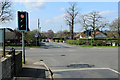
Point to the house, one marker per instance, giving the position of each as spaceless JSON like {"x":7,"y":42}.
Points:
{"x":99,"y":34}
{"x":11,"y":36}
{"x":112,"y":34}
{"x":79,"y":35}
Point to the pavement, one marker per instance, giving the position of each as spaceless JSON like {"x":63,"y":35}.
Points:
{"x":34,"y":71}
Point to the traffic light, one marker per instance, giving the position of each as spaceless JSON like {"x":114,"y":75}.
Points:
{"x":90,"y":32}
{"x":22,"y":21}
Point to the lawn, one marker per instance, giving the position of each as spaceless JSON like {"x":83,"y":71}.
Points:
{"x":90,"y":45}
{"x":21,"y":47}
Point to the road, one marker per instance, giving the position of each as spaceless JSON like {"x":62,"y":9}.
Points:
{"x":77,"y":62}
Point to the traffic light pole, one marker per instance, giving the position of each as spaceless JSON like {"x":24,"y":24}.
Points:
{"x":23,"y":26}
{"x":23,"y":46}
{"x":4,"y":42}
{"x":91,"y":37}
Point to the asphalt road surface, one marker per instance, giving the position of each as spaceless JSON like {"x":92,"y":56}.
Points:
{"x":77,"y":62}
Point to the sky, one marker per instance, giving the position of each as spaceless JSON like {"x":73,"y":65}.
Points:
{"x":51,"y":14}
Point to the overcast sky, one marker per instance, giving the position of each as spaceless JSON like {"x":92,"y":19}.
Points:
{"x":51,"y":14}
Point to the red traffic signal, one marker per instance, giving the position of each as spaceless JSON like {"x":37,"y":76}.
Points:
{"x":90,"y":33}
{"x":22,"y":16}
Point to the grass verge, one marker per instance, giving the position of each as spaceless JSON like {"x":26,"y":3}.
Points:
{"x":90,"y":45}
{"x":21,"y":47}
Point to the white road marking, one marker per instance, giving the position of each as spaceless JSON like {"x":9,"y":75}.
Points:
{"x":32,"y":48}
{"x":37,"y":63}
{"x":87,"y":69}
{"x":114,"y":71}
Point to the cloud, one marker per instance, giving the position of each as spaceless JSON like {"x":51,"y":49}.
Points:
{"x":56,"y":19}
{"x":60,"y":17}
{"x":21,"y":1}
{"x":32,"y":5}
{"x":47,"y":21}
{"x":68,"y":0}
{"x":62,"y":9}
{"x":107,"y":13}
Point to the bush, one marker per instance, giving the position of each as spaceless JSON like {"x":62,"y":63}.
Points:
{"x":99,"y":43}
{"x":95,"y":42}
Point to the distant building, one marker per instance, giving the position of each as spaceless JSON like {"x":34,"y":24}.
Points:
{"x":99,"y":34}
{"x":9,"y":33}
{"x":11,"y":36}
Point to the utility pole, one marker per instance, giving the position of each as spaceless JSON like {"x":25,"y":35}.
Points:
{"x":39,"y":28}
{"x":61,"y":32}
{"x":38,"y":24}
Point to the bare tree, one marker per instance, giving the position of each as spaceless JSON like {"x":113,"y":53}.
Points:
{"x":114,"y":25}
{"x":5,"y":11}
{"x":114,"y":28}
{"x":119,"y":27}
{"x":94,"y":21}
{"x":84,"y":21}
{"x":50,"y":34}
{"x":71,"y":14}
{"x":104,"y":23}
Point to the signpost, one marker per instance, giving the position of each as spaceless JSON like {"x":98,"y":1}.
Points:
{"x":36,"y":36}
{"x":1,"y":35}
{"x":2,"y":39}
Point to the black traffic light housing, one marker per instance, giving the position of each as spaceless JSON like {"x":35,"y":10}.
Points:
{"x":22,"y":21}
{"x":89,"y":32}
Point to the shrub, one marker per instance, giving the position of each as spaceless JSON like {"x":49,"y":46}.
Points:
{"x":95,"y":42}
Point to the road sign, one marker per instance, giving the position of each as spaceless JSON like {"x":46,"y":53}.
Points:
{"x":36,"y":34}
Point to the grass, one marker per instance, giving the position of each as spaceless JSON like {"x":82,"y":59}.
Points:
{"x":21,"y":47}
{"x":95,"y":46}
{"x":91,"y":46}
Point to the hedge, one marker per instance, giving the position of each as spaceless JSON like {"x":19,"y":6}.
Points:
{"x":100,"y":42}
{"x":57,"y":40}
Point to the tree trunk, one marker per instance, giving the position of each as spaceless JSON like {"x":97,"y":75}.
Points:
{"x":94,"y":29}
{"x":72,"y":35}
{"x":72,"y":27}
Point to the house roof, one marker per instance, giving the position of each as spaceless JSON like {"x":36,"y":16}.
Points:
{"x":7,"y":29}
{"x":83,"y":34}
{"x":77,"y":35}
